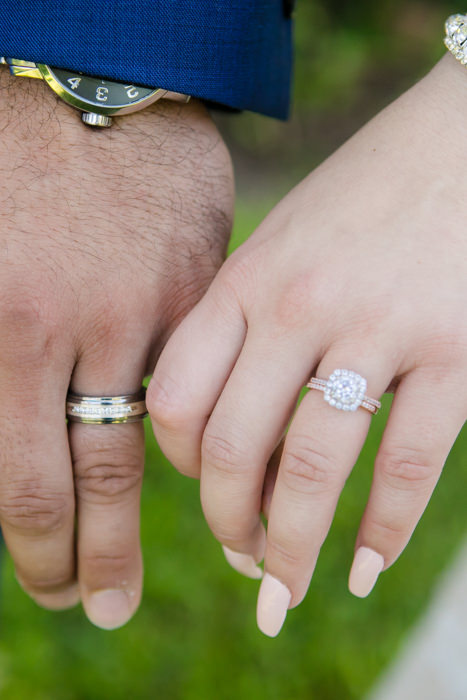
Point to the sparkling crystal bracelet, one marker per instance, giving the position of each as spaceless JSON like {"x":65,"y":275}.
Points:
{"x":456,"y":37}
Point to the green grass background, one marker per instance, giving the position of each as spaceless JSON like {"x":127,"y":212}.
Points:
{"x":195,"y":637}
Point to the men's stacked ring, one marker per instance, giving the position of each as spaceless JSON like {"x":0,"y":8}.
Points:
{"x":98,"y":410}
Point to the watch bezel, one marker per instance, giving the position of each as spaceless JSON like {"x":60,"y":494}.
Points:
{"x":88,"y":106}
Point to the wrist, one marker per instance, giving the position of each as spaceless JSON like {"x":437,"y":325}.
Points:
{"x":28,"y":108}
{"x":31,"y":103}
{"x":34,"y":120}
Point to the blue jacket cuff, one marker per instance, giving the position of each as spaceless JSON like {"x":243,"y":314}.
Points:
{"x":234,"y":52}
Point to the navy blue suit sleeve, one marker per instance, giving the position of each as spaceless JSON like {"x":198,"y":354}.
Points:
{"x":235,"y":52}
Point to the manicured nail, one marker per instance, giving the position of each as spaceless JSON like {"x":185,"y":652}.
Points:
{"x":243,"y":563}
{"x":109,"y":608}
{"x":367,"y":566}
{"x":273,"y":603}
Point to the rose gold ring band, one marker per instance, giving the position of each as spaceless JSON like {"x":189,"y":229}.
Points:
{"x":345,"y":390}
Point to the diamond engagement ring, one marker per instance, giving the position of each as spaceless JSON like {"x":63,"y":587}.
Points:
{"x":456,"y":37}
{"x":106,"y":409}
{"x":345,"y":390}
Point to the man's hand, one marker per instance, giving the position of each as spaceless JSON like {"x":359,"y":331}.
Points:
{"x":107,"y":239}
{"x":362,"y":267}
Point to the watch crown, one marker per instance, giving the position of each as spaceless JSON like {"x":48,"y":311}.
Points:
{"x":94,"y":119}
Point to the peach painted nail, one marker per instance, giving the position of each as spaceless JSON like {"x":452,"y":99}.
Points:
{"x":243,"y":563}
{"x":273,"y":603}
{"x":367,"y":566}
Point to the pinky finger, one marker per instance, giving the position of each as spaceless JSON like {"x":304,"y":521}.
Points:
{"x":425,"y":420}
{"x":245,"y":563}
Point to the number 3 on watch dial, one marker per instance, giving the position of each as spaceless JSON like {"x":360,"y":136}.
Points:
{"x":101,"y":93}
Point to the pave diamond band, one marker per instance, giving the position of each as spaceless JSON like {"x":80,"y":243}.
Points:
{"x":456,"y":37}
{"x":345,"y":390}
{"x":106,"y":409}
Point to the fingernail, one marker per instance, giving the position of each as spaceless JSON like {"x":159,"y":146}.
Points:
{"x":273,"y":603}
{"x":243,"y":563}
{"x":367,"y":566}
{"x":108,"y":609}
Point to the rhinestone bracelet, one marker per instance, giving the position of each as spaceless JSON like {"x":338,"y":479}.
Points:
{"x":456,"y":37}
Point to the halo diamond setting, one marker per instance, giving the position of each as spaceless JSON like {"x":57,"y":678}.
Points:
{"x":345,"y":390}
{"x":456,"y":37}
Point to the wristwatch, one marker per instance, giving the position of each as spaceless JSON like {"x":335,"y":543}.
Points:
{"x":98,"y":99}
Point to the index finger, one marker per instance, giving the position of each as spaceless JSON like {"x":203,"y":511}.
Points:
{"x":190,"y":375}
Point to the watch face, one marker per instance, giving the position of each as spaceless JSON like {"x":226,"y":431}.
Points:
{"x":98,"y":92}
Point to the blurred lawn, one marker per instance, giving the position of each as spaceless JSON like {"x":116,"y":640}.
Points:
{"x":195,"y":637}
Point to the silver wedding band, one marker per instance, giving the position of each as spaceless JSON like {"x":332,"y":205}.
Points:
{"x":98,"y":410}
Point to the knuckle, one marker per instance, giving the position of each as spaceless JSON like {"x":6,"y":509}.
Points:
{"x":223,"y":455}
{"x":307,"y":469}
{"x":405,"y":468}
{"x":108,"y":473}
{"x":164,"y":405}
{"x":296,"y":303}
{"x":34,"y":509}
{"x":117,"y":562}
{"x":281,"y":553}
{"x":388,"y":532}
{"x":170,"y":415}
{"x":29,"y":324}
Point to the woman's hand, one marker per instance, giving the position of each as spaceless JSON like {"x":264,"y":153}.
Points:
{"x":362,"y":266}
